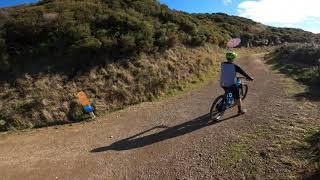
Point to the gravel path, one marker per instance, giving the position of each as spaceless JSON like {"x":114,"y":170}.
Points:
{"x":171,"y":139}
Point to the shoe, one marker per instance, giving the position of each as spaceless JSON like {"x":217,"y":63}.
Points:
{"x":243,"y":111}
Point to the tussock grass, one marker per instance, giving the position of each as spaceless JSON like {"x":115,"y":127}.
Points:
{"x":48,"y":99}
{"x":239,"y":151}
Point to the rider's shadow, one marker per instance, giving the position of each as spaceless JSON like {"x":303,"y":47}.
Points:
{"x":137,"y":141}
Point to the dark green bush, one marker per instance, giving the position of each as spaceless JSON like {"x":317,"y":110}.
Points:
{"x":301,"y":61}
{"x":304,"y":54}
{"x":166,"y":36}
{"x":87,"y":47}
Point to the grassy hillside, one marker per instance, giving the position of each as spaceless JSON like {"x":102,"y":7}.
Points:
{"x":48,"y":99}
{"x":120,"y":52}
{"x":73,"y":31}
{"x":59,"y":34}
{"x":302,"y":63}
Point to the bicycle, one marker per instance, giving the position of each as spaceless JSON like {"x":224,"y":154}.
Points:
{"x":226,"y":101}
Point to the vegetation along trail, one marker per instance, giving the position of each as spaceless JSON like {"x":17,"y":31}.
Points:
{"x":174,"y":138}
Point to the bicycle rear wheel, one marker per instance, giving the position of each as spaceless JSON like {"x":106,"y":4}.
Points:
{"x":218,"y":108}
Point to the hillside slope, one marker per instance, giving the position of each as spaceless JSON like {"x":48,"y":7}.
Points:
{"x":120,"y":52}
{"x":71,"y":32}
{"x":56,"y":33}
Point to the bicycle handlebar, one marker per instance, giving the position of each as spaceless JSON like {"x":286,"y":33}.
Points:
{"x":241,"y":77}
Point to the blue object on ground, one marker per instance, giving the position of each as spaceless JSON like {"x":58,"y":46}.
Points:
{"x":88,"y":108}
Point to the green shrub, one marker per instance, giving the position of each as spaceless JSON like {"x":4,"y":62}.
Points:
{"x":4,"y":64}
{"x":127,"y":44}
{"x":79,"y":32}
{"x":166,"y":36}
{"x":89,"y":44}
{"x":305,"y":54}
{"x":301,"y":61}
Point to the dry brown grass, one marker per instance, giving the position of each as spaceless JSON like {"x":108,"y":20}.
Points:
{"x":48,"y":99}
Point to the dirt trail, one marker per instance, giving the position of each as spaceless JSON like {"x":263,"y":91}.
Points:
{"x":163,"y":140}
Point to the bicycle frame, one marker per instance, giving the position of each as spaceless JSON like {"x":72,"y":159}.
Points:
{"x":228,"y":99}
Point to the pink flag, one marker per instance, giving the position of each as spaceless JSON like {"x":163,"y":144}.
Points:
{"x":234,"y":43}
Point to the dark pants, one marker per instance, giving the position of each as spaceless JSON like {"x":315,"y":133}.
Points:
{"x":234,"y":89}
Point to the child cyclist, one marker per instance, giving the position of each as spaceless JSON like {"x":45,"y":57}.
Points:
{"x":228,"y":79}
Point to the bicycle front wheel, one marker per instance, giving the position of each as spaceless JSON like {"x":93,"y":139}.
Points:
{"x":217,"y":109}
{"x":244,"y":91}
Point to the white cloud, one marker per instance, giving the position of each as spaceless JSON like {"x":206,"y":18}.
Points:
{"x":281,"y":11}
{"x":227,"y":2}
{"x":314,"y":30}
